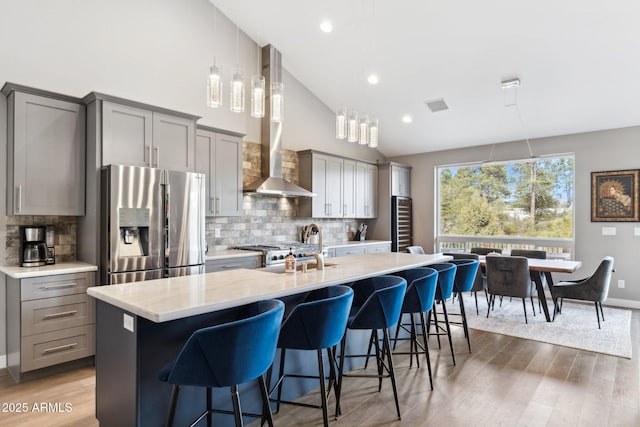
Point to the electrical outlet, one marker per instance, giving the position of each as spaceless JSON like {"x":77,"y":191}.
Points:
{"x":216,"y":232}
{"x":127,"y":322}
{"x":621,"y":283}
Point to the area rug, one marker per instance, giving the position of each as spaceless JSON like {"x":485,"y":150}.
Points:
{"x":575,"y":327}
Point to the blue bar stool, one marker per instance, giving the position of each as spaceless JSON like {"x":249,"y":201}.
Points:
{"x":376,"y":305}
{"x":317,"y":323}
{"x":446,"y":277}
{"x":465,"y":277}
{"x":419,"y":298}
{"x":226,"y":355}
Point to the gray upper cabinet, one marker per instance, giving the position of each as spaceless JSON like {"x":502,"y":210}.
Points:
{"x":127,"y":135}
{"x":322,"y":174}
{"x":219,"y":157}
{"x":366,"y":190}
{"x":46,"y":153}
{"x":349,"y":188}
{"x":400,"y":180}
{"x":138,"y":136}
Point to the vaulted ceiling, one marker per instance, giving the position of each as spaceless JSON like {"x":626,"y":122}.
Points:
{"x":577,"y":61}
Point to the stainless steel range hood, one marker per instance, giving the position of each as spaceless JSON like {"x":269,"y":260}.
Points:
{"x":271,"y":183}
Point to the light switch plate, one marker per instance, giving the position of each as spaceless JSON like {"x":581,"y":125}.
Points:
{"x":608,"y":231}
{"x":636,"y":231}
{"x":127,"y":322}
{"x":216,"y":232}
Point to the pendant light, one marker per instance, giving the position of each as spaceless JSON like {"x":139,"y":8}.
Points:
{"x":214,"y":86}
{"x":363,"y":130}
{"x":373,"y":132}
{"x":257,"y":90}
{"x":214,"y":82}
{"x":352,"y":126}
{"x":341,"y":122}
{"x":237,"y":85}
{"x":277,"y":102}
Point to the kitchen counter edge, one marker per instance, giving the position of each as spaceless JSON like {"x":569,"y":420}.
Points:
{"x":17,"y":272}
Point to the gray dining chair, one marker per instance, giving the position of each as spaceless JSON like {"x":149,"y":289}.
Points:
{"x":536,"y":254}
{"x":594,"y":288}
{"x":508,"y":276}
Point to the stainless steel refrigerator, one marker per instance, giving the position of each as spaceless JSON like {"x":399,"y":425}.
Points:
{"x":152,"y":224}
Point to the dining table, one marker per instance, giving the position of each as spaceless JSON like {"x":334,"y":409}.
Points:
{"x":539,"y":268}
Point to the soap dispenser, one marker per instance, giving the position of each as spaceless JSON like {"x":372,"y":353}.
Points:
{"x":290,"y":263}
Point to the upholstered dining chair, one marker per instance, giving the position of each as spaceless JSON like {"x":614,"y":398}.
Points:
{"x":594,"y":288}
{"x":536,"y":254}
{"x":508,"y":276}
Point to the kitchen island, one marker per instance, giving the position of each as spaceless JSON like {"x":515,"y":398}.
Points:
{"x":142,"y":326}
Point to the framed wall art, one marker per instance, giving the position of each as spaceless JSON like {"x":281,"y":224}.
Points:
{"x":614,"y":196}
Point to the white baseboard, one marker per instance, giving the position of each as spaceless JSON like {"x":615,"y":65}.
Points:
{"x":625,"y":303}
{"x":3,"y":361}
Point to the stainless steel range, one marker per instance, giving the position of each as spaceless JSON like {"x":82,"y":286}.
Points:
{"x":274,"y":254}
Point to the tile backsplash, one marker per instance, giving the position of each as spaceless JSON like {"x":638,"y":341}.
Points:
{"x":65,"y":236}
{"x":265,"y":219}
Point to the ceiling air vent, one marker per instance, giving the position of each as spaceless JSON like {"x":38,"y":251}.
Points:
{"x":437,"y":105}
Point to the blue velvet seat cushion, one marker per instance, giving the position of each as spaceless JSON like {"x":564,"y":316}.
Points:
{"x":229,"y":353}
{"x":380,"y":301}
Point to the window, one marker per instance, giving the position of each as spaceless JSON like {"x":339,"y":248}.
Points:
{"x":518,"y":204}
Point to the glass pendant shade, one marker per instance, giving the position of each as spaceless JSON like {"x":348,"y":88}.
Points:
{"x":277,"y":102}
{"x":341,"y":122}
{"x":214,"y":87}
{"x":352,"y":126}
{"x":237,"y":92}
{"x":373,"y":133}
{"x":257,"y":96}
{"x":364,"y":130}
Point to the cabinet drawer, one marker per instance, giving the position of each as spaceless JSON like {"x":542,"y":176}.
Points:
{"x":358,"y":250}
{"x":371,"y":249}
{"x":55,"y":286}
{"x":233,"y":263}
{"x":41,"y":350}
{"x":52,"y":314}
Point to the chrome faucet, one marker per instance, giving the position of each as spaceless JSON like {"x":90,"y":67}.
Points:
{"x":318,"y":254}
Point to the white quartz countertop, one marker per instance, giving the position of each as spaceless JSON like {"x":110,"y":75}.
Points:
{"x":163,"y":300}
{"x":230,"y":253}
{"x":47,"y":270}
{"x":356,"y":243}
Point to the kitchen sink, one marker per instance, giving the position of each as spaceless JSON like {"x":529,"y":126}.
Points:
{"x":311,"y":266}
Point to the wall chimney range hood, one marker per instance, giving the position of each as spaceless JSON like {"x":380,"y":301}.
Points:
{"x":271,"y":183}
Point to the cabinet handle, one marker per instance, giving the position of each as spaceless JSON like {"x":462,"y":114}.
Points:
{"x":61,"y":286}
{"x":19,"y":195}
{"x":149,"y":162}
{"x":344,"y":209}
{"x":217,"y":204}
{"x":60,"y":348}
{"x":61,"y":314}
{"x":211,"y":204}
{"x":157,"y":149}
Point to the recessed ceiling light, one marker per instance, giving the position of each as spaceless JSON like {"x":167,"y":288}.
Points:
{"x":372,"y":79}
{"x":407,"y":118}
{"x":326,"y":26}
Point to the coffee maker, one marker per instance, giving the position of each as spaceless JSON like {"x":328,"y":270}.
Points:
{"x":33,"y":246}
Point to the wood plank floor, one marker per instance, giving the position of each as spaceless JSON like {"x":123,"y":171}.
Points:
{"x":505,"y":381}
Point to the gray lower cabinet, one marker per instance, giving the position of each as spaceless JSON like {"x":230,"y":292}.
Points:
{"x":45,"y":152}
{"x":225,"y":264}
{"x":219,"y":157}
{"x":50,"y":320}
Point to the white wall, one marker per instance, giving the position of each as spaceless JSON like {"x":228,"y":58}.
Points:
{"x":594,"y":151}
